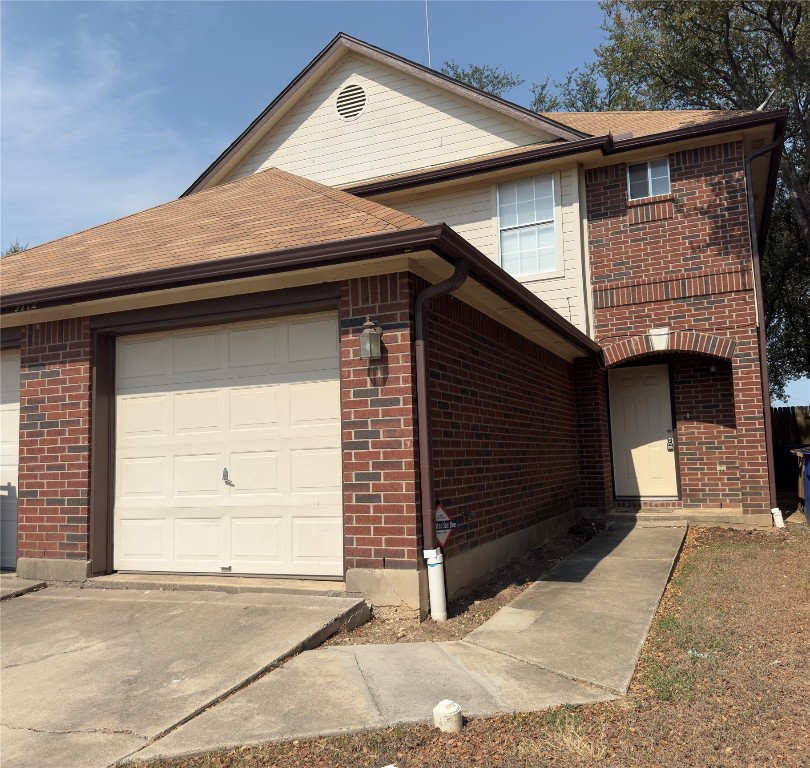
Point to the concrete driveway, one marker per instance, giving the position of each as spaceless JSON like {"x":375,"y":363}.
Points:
{"x":92,"y":676}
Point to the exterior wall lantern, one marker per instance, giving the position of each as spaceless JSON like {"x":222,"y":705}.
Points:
{"x":370,"y":344}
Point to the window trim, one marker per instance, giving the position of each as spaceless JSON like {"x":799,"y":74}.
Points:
{"x":649,"y":194}
{"x":556,"y":221}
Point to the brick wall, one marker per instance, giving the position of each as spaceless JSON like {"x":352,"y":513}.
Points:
{"x":504,"y":427}
{"x":54,"y":440}
{"x":683,"y":260}
{"x":380,"y":495}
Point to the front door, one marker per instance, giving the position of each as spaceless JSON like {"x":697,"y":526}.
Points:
{"x":641,"y":428}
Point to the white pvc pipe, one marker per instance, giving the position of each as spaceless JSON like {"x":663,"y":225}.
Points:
{"x":438,"y":597}
{"x":778,"y":520}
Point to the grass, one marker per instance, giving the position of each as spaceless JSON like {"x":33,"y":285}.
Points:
{"x":738,"y":601}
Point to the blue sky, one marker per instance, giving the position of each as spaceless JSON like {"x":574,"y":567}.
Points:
{"x":110,"y":108}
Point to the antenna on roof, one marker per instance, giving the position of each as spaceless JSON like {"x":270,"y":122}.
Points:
{"x":427,"y":27}
{"x":761,"y":106}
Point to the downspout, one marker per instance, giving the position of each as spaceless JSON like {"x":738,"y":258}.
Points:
{"x":432,"y":552}
{"x":763,"y":349}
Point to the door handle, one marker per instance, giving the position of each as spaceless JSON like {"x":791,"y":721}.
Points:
{"x":225,"y":474}
{"x":670,"y":444}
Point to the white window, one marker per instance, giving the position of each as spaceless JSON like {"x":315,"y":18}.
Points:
{"x":648,"y":179}
{"x":527,"y":228}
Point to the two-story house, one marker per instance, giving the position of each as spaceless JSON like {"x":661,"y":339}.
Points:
{"x":570,"y":319}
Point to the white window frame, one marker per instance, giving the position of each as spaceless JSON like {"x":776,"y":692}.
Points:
{"x":649,"y":178}
{"x":555,"y":220}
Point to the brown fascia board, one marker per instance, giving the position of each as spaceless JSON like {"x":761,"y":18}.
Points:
{"x":438,"y":238}
{"x":608,"y":145}
{"x":515,"y":111}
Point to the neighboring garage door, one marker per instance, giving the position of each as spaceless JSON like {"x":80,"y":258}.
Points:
{"x":9,"y":454}
{"x":228,"y":450}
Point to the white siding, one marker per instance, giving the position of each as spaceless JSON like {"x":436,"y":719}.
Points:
{"x":407,"y":124}
{"x":472,"y":212}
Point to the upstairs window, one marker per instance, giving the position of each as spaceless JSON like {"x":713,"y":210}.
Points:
{"x":648,"y":179}
{"x":526,"y":224}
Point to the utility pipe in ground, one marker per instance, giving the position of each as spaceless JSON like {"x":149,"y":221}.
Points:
{"x":431,"y":550}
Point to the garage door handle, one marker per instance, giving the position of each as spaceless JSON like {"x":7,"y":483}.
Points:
{"x":225,"y":474}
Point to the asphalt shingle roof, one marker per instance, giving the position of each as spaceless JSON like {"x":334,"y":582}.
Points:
{"x":268,"y":211}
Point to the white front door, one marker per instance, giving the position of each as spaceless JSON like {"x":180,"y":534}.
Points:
{"x":641,"y":430}
{"x":228,"y":451}
{"x":9,"y":454}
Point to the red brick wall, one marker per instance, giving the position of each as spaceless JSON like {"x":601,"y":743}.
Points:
{"x":380,"y":495}
{"x":504,"y":426}
{"x":684,"y":260}
{"x":54,"y":440}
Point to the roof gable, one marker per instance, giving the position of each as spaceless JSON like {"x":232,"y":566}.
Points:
{"x":422,"y":108}
{"x":268,"y":211}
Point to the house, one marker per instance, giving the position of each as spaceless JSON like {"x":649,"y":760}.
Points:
{"x":571,"y":321}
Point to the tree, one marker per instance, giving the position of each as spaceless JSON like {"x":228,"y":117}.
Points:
{"x":687,"y":54}
{"x":492,"y":80}
{"x":15,"y":247}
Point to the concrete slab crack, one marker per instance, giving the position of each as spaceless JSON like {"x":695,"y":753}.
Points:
{"x":102,"y":731}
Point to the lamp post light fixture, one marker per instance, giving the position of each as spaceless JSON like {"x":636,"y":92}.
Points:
{"x":370,"y":345}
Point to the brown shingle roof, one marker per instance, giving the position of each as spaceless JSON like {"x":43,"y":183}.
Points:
{"x":641,"y":123}
{"x":269,"y":211}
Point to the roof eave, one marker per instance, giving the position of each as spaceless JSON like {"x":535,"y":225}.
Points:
{"x":608,"y":145}
{"x":438,"y":238}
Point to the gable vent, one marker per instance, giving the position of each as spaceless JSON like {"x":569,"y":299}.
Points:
{"x":351,"y":101}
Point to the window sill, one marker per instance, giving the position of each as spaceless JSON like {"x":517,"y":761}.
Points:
{"x":645,"y":209}
{"x":651,"y":200}
{"x":539,"y":276}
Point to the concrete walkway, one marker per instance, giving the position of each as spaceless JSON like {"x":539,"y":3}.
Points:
{"x":11,"y":586}
{"x":573,"y":637}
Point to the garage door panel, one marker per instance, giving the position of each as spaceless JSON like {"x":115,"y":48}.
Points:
{"x":313,"y":403}
{"x":140,"y":416}
{"x":257,"y":540}
{"x":196,"y":352}
{"x":317,"y":540}
{"x":198,"y":474}
{"x":140,"y":477}
{"x":199,"y":539}
{"x":255,"y":408}
{"x":197,"y":412}
{"x":255,"y":347}
{"x":139,"y":360}
{"x":255,"y":472}
{"x":142,"y":539}
{"x":231,"y":398}
{"x":313,"y":339}
{"x":315,"y":470}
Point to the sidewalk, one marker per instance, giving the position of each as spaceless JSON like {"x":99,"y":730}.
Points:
{"x":572,"y":638}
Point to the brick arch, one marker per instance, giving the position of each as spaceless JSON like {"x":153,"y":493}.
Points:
{"x":689,"y":342}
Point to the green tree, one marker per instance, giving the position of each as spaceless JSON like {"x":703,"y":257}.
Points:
{"x":15,"y":247}
{"x":492,"y":80}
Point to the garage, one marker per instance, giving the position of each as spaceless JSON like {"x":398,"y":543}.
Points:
{"x":9,"y":454}
{"x":227,"y":450}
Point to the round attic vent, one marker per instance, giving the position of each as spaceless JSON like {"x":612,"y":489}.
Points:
{"x":351,"y":101}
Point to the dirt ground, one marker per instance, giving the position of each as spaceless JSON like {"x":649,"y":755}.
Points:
{"x":402,"y":625}
{"x":723,"y":680}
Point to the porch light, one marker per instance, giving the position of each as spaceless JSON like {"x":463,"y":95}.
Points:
{"x":370,"y":346}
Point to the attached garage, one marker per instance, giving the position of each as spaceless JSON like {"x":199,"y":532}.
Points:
{"x":227,"y":449}
{"x":9,"y":454}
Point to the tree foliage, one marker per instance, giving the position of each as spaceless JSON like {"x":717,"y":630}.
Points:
{"x":493,"y":80}
{"x":733,"y":55}
{"x":15,"y":247}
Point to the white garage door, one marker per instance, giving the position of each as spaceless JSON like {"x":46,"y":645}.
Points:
{"x":9,"y":454}
{"x":228,"y":450}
